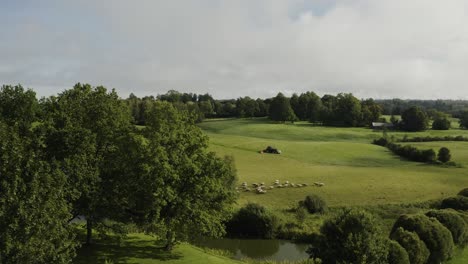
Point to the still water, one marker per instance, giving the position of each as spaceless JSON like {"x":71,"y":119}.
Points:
{"x":272,"y":249}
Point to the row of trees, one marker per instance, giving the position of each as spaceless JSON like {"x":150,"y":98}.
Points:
{"x":340,"y":110}
{"x":78,"y":154}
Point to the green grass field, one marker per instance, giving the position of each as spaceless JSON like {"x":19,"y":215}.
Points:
{"x":142,"y":249}
{"x":354,"y":171}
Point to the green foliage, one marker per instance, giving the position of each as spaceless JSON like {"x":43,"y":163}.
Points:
{"x":441,"y":123}
{"x":190,"y":190}
{"x":463,"y":192}
{"x":307,"y":106}
{"x":444,"y":155}
{"x":453,"y":222}
{"x":253,"y":220}
{"x":414,"y":119}
{"x":456,"y":202}
{"x":314,"y":204}
{"x":371,"y":112}
{"x":83,"y":126}
{"x":341,"y":110}
{"x":412,"y":153}
{"x":397,"y":254}
{"x":463,"y":119}
{"x":280,"y":109}
{"x":18,"y":106}
{"x":352,"y":236}
{"x":437,"y":238}
{"x":415,"y":247}
{"x":34,"y":212}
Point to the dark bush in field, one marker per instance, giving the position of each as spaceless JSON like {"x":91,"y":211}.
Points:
{"x":463,"y":192}
{"x":381,"y":142}
{"x":441,"y":124}
{"x":352,"y":236}
{"x":457,"y":202}
{"x":397,"y":254}
{"x":444,"y":155}
{"x":253,"y":220}
{"x":415,"y":247}
{"x":314,"y":204}
{"x":412,"y":153}
{"x":437,"y":238}
{"x":453,"y":222}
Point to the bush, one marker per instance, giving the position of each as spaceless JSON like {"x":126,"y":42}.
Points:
{"x":437,"y":238}
{"x":352,"y":236}
{"x":314,"y":204}
{"x":380,"y":142}
{"x":444,"y":155}
{"x":453,"y":222}
{"x":416,"y":249}
{"x":253,"y":220}
{"x":464,"y":192}
{"x":397,"y":254}
{"x":412,"y":153}
{"x":457,"y":203}
{"x":441,"y":124}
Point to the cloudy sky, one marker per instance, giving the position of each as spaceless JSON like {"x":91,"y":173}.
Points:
{"x":381,"y":49}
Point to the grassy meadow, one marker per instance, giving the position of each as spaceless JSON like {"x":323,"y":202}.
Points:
{"x":354,"y":171}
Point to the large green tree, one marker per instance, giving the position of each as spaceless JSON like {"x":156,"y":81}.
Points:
{"x":83,"y":125}
{"x":34,"y":212}
{"x":280,"y":109}
{"x":463,"y":119}
{"x":414,"y":119}
{"x":192,"y":189}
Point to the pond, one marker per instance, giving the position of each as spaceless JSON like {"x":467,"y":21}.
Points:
{"x":261,"y":249}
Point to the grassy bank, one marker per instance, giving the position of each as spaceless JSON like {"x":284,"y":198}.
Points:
{"x":143,"y":249}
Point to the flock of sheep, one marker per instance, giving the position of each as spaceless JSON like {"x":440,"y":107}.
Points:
{"x":261,"y":188}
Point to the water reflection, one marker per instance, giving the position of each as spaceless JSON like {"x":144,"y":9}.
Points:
{"x":258,"y":248}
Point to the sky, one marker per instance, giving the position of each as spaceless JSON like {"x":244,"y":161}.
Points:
{"x":414,"y":49}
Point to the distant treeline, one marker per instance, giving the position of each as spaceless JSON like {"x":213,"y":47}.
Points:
{"x":340,"y":110}
{"x":397,"y":106}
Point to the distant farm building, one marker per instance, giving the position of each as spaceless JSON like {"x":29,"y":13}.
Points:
{"x":381,"y":126}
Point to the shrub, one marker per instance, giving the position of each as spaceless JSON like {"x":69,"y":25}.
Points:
{"x":300,"y":214}
{"x":453,"y":222}
{"x":397,"y":254}
{"x":457,"y":202}
{"x":412,"y":153}
{"x":314,"y":204}
{"x":464,"y":192}
{"x":442,"y":123}
{"x":352,"y":236}
{"x":437,"y":238}
{"x":444,"y":155}
{"x":253,"y":220}
{"x":380,"y":142}
{"x":416,"y":249}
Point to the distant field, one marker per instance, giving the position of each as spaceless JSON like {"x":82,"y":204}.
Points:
{"x":354,"y":171}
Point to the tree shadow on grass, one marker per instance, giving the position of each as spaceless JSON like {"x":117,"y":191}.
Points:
{"x":127,"y":252}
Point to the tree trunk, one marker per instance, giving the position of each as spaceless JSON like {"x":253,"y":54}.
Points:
{"x":170,"y":241}
{"x":89,"y":230}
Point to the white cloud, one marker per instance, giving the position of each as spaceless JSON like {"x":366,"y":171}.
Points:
{"x":394,"y":48}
